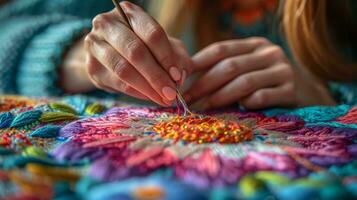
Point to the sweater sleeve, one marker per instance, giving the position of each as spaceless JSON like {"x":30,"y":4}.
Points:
{"x":34,"y":37}
{"x":37,"y":72}
{"x":31,"y":49}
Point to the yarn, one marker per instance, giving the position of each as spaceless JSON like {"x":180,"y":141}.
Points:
{"x":48,"y":131}
{"x":63,"y":108}
{"x":249,"y":186}
{"x":6,"y":119}
{"x":202,"y":130}
{"x":33,"y":152}
{"x":26,"y":118}
{"x":74,"y":148}
{"x":94,"y":108}
{"x":57,"y":116}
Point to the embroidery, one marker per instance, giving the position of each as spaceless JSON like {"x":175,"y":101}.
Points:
{"x":78,"y":147}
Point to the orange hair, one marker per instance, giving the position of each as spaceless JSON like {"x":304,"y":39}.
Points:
{"x":314,"y":30}
{"x":317,"y":31}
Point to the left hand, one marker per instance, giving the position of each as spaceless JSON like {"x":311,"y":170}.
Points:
{"x":254,"y":73}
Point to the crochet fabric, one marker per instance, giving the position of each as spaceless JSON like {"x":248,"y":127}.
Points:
{"x":80,"y":148}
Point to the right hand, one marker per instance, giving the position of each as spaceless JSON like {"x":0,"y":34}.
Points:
{"x":143,"y":62}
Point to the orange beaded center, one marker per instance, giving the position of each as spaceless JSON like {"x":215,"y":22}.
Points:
{"x":194,"y":129}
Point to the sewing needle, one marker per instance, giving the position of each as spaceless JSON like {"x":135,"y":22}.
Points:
{"x":180,"y":99}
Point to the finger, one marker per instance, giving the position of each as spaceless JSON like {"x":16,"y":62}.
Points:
{"x":110,"y":81}
{"x":94,"y":68}
{"x":220,"y":50}
{"x":183,"y":58}
{"x":155,"y":38}
{"x":120,"y":67}
{"x":126,"y":43}
{"x":229,"y":68}
{"x":102,"y":79}
{"x":269,"y":97}
{"x":245,"y":85}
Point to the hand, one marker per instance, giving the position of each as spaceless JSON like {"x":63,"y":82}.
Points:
{"x":254,"y":73}
{"x":142,"y":62}
{"x":74,"y":78}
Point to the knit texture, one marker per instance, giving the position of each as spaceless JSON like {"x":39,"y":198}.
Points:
{"x":83,"y":148}
{"x":34,"y":37}
{"x":43,"y":56}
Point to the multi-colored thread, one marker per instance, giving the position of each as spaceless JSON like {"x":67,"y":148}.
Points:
{"x":202,"y":130}
{"x":54,"y":149}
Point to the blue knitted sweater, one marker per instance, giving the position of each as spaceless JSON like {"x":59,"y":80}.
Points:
{"x":35,"y":34}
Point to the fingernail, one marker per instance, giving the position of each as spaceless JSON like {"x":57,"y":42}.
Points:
{"x":169,"y":93}
{"x":175,"y":73}
{"x":183,"y":77}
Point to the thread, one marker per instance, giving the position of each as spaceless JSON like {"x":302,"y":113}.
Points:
{"x":57,"y":117}
{"x":349,"y":118}
{"x":6,"y":119}
{"x":26,"y":118}
{"x":109,"y":141}
{"x":94,"y":108}
{"x":32,"y":151}
{"x":63,"y":108}
{"x":202,"y":130}
{"x":48,"y":131}
{"x":279,"y":156}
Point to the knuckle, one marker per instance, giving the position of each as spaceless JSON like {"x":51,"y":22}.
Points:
{"x":259,"y":41}
{"x":122,"y":69}
{"x":229,"y":66}
{"x":123,"y":87}
{"x":89,"y":40}
{"x":99,"y":20}
{"x":261,"y":99}
{"x":276,"y":52}
{"x":290,"y":88}
{"x":166,"y":60}
{"x":218,"y":48}
{"x":154,"y":34}
{"x":247,"y":83}
{"x":156,"y":79}
{"x":136,"y":50}
{"x":287,"y":71}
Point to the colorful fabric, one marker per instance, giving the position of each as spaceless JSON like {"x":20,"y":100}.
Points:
{"x":82,"y":148}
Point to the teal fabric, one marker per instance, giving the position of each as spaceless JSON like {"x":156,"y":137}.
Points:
{"x":44,"y":54}
{"x":34,"y":36}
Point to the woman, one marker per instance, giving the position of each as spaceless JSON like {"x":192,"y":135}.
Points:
{"x":253,"y":70}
